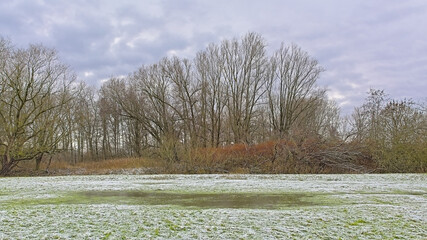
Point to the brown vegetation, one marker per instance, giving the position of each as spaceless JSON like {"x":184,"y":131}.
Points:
{"x":308,"y":155}
{"x":110,"y":166}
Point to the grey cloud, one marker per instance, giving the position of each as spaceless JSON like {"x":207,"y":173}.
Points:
{"x":362,"y":44}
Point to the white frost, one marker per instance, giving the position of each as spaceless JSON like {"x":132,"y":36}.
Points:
{"x":367,"y":207}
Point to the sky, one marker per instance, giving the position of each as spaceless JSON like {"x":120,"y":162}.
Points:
{"x":362,"y":44}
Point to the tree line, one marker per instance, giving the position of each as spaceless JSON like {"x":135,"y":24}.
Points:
{"x":188,"y":111}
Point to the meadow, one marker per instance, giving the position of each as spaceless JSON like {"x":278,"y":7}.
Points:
{"x":235,"y":206}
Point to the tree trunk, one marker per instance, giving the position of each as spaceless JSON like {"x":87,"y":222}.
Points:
{"x":7,"y":165}
{"x":38,"y":161}
{"x":48,"y":164}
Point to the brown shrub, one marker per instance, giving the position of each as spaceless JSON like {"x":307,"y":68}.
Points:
{"x":303,"y":155}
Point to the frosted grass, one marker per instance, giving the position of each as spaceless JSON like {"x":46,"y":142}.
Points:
{"x":344,"y":206}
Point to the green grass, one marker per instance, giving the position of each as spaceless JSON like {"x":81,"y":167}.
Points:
{"x":215,"y":206}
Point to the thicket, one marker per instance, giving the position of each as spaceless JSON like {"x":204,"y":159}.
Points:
{"x":233,"y":108}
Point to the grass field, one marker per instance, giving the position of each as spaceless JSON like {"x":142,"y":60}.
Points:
{"x":215,"y":206}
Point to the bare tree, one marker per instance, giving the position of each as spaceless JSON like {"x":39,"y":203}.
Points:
{"x":323,"y":119}
{"x":86,"y":119}
{"x":153,"y":89}
{"x":291,"y":89}
{"x":393,"y":131}
{"x":366,"y":119}
{"x":33,"y":83}
{"x":245,"y":64}
{"x":112,"y":97}
{"x":184,"y":90}
{"x":210,"y":69}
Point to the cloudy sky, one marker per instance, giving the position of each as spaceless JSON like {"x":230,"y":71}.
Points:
{"x":362,"y":44}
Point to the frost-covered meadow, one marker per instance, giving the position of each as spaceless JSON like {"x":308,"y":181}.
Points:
{"x":214,"y":206}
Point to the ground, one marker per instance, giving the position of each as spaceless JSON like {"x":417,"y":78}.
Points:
{"x":390,"y":206}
